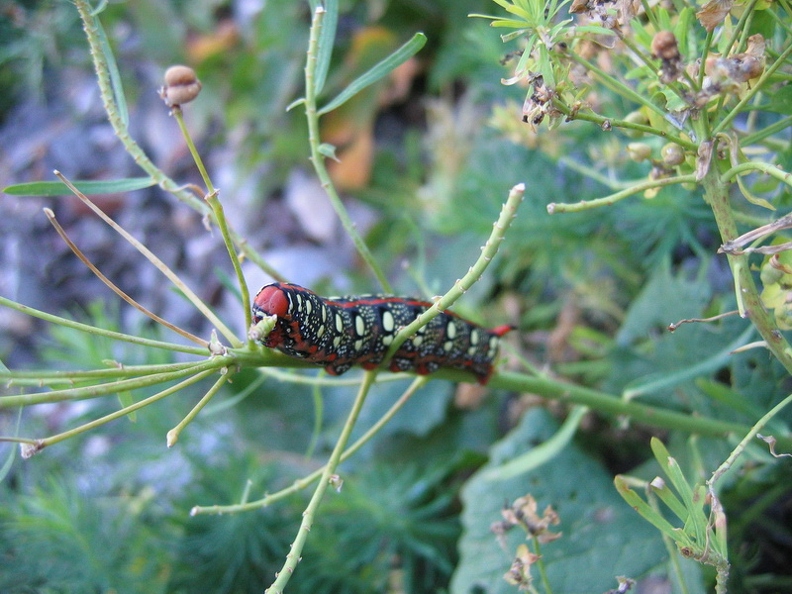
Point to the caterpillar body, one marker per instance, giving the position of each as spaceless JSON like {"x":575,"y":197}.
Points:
{"x":340,"y":332}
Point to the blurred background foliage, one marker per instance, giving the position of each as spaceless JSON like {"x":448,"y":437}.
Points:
{"x":434,"y":151}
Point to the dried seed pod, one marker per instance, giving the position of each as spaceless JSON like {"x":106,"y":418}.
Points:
{"x":181,"y":85}
{"x":672,"y":155}
{"x":664,"y":46}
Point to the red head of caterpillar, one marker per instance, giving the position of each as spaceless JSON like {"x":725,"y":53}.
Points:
{"x":340,"y":332}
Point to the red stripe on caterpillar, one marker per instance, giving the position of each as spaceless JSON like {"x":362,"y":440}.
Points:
{"x":340,"y":332}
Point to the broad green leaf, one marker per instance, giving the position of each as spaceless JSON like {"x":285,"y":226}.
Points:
{"x":543,"y":453}
{"x":58,"y":188}
{"x":382,"y":69}
{"x":602,"y":536}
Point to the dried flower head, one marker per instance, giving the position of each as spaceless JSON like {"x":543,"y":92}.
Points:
{"x":181,"y":86}
{"x":666,"y":48}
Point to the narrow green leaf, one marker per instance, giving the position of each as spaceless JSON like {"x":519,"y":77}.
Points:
{"x":542,"y":453}
{"x":326,"y":41}
{"x":58,"y":188}
{"x":644,"y":509}
{"x":115,"y":75}
{"x":126,"y":399}
{"x":380,"y":70}
{"x":672,"y":501}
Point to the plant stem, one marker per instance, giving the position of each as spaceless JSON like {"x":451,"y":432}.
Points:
{"x":106,"y":389}
{"x":752,"y":91}
{"x":611,"y":405}
{"x":716,"y":193}
{"x":488,"y":251}
{"x":293,"y":558}
{"x":302,"y":483}
{"x":134,"y":150}
{"x":53,"y":319}
{"x":556,"y":207}
{"x":317,"y":159}
{"x":48,"y":441}
{"x":159,"y":264}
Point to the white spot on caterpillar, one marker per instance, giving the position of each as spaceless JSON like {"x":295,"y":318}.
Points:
{"x":358,"y":344}
{"x":339,"y":323}
{"x":451,"y":330}
{"x":320,"y":332}
{"x":474,"y":337}
{"x":308,"y":307}
{"x":388,"y":323}
{"x":336,"y":342}
{"x":417,"y":340}
{"x":387,"y":339}
{"x":360,"y":326}
{"x":324,"y":314}
{"x":448,"y":345}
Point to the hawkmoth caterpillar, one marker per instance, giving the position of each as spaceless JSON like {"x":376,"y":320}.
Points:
{"x":340,"y":332}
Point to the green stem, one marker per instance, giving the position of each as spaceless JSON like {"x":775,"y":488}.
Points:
{"x":317,"y":159}
{"x":589,"y":116}
{"x":302,"y":483}
{"x":222,"y":223}
{"x":744,"y":442}
{"x":461,"y":286}
{"x":555,"y":207}
{"x":48,"y":441}
{"x":616,"y":85}
{"x":768,"y":168}
{"x":716,"y":193}
{"x":310,"y":512}
{"x":752,"y":91}
{"x":134,"y":150}
{"x":53,"y":319}
{"x":611,"y":405}
{"x":49,"y":377}
{"x":106,"y":389}
{"x":173,"y":435}
{"x":762,"y":134}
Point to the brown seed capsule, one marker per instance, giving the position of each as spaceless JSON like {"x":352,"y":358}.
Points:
{"x":181,"y":85}
{"x":672,"y":155}
{"x":664,"y":46}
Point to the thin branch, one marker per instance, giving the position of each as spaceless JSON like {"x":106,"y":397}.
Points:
{"x":317,"y":159}
{"x":113,"y":287}
{"x":298,"y":485}
{"x":556,"y":207}
{"x":293,"y":558}
{"x":159,"y":264}
{"x":461,"y":286}
{"x":47,"y":317}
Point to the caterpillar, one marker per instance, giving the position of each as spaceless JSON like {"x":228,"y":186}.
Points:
{"x":340,"y":332}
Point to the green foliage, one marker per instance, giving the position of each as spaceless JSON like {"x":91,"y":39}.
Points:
{"x":647,"y":177}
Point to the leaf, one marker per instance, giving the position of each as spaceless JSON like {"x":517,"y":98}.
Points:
{"x":543,"y":453}
{"x":602,"y":537}
{"x":58,"y":188}
{"x":383,"y":68}
{"x":326,"y":40}
{"x":115,"y":75}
